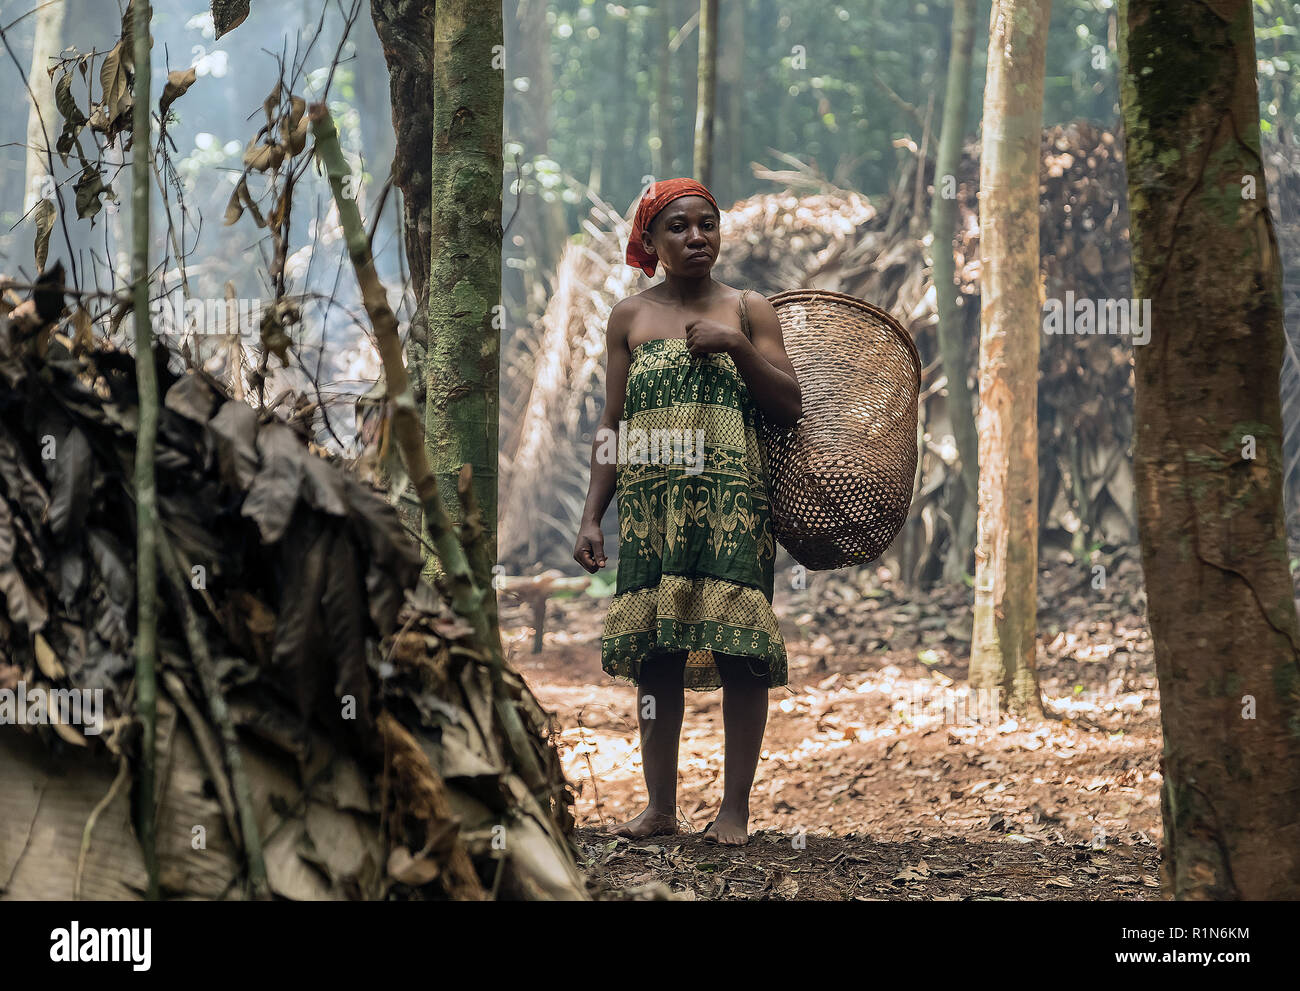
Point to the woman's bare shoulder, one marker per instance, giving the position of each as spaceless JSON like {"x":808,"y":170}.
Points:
{"x":755,"y":301}
{"x":622,"y":316}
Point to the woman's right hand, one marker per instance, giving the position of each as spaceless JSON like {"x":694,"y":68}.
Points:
{"x":590,"y":548}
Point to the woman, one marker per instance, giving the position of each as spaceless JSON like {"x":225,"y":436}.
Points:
{"x":693,"y":604}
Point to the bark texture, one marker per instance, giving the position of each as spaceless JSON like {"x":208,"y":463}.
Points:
{"x":1209,"y":452}
{"x":1006,"y":553}
{"x":405,"y":29}
{"x":462,"y":367}
{"x":952,"y":339}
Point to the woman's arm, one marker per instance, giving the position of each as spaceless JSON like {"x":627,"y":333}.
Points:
{"x":590,"y":548}
{"x":760,"y":358}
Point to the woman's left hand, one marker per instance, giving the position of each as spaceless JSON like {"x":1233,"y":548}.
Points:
{"x":705,"y":336}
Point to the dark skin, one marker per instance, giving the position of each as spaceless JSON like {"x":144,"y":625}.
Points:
{"x":691,"y":305}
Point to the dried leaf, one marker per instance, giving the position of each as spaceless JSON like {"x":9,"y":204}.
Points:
{"x":228,"y":15}
{"x":276,"y":217}
{"x":272,"y":497}
{"x":67,"y":104}
{"x":66,"y":142}
{"x":71,"y":474}
{"x":44,"y":220}
{"x":234,"y":430}
{"x":235,"y":205}
{"x":116,"y":95}
{"x":98,"y":119}
{"x":342,"y":606}
{"x":68,"y":733}
{"x":272,"y":103}
{"x":178,"y":81}
{"x":89,"y":188}
{"x":47,"y":660}
{"x":293,"y":129}
{"x":83,"y":339}
{"x":128,"y":33}
{"x":274,"y":337}
{"x":415,"y":871}
{"x":47,"y":294}
{"x":240,"y":200}
{"x":260,"y":158}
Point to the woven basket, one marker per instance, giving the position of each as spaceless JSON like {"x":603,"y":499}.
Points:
{"x":841,"y":479}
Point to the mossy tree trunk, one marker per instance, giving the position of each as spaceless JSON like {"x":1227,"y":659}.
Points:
{"x":1006,"y":554}
{"x":462,"y":368}
{"x":952,"y":338}
{"x":1208,"y":452}
{"x":405,"y":31}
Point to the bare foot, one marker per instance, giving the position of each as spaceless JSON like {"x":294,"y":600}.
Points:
{"x":648,"y":823}
{"x":728,"y":830}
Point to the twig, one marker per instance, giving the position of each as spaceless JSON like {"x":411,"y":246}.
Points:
{"x":220,"y":713}
{"x":897,"y":100}
{"x":208,"y":749}
{"x":93,"y":818}
{"x":146,"y":640}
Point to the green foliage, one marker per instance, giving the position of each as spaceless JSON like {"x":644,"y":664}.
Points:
{"x":809,"y":86}
{"x":1277,"y":48}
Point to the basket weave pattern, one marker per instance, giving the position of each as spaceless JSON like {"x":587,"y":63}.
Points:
{"x":840,"y":481}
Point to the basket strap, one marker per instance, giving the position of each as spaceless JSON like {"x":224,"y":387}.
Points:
{"x":744,"y":314}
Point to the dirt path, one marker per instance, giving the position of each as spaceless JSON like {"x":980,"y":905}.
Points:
{"x":879,"y":779}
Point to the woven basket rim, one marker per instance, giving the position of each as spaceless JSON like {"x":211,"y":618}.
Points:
{"x":788,"y":296}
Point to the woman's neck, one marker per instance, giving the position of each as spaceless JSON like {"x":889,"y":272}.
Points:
{"x":687,"y":289}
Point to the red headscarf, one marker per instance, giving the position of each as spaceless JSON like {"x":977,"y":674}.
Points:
{"x":658,"y":196}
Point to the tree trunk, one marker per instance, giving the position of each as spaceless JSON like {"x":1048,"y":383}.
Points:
{"x":541,"y":223}
{"x":625,"y":158}
{"x":952,"y":339}
{"x":1006,"y":555}
{"x":664,"y":91}
{"x":731,"y":69}
{"x":1208,"y":452}
{"x":708,"y":74}
{"x":406,"y":32}
{"x":45,"y":43}
{"x":462,"y":369}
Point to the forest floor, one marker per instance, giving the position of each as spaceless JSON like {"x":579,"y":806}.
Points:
{"x":879,"y":779}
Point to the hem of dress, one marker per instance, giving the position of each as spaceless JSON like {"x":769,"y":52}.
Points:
{"x":639,"y":647}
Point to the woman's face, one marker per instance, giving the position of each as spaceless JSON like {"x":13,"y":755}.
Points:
{"x":685,"y":236}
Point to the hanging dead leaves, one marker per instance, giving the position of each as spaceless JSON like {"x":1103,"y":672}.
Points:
{"x":274,"y":328}
{"x":106,"y":115}
{"x":44,"y":219}
{"x":178,"y":81}
{"x":279,"y":140}
{"x":110,"y":114}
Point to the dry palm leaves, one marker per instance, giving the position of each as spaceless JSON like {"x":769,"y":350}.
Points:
{"x":352,"y":685}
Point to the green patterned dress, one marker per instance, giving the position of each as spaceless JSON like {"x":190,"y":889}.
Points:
{"x":695,"y":543}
